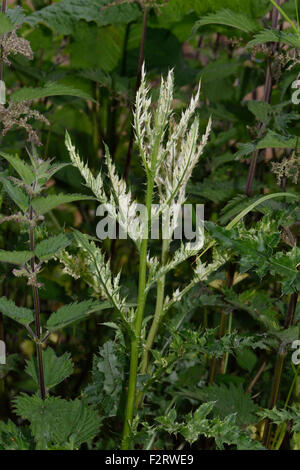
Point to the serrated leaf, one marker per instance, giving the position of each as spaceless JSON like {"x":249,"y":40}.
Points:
{"x":19,"y":197}
{"x":16,"y":15}
{"x":15,"y":257}
{"x":24,"y":170}
{"x":260,"y":109}
{"x":47,"y":248}
{"x":273,"y":35}
{"x":275,"y":140}
{"x":230,"y":18}
{"x":20,"y":314}
{"x":50,"y":89}
{"x":71,"y":313}
{"x":5,"y":24}
{"x":56,"y":369}
{"x":108,"y":376}
{"x":41,"y":205}
{"x":229,"y":400}
{"x":64,"y":15}
{"x":55,"y":421}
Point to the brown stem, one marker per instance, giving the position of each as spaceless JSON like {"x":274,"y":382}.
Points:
{"x":267,"y":96}
{"x":3,"y":10}
{"x":36,"y":304}
{"x":138,"y":82}
{"x":253,"y":382}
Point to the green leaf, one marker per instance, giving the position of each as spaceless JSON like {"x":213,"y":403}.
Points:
{"x":50,"y":89}
{"x":246,"y":359}
{"x":229,"y":18}
{"x":71,"y":313}
{"x":273,"y":35}
{"x":56,"y":369}
{"x":14,"y":437}
{"x":229,"y":400}
{"x":24,"y":170}
{"x":15,"y":257}
{"x":55,"y":421}
{"x":197,"y":422}
{"x":41,"y":205}
{"x":274,"y":140}
{"x":16,"y":15}
{"x":63,"y":16}
{"x":5,"y":24}
{"x":49,"y":247}
{"x":260,"y":109}
{"x":19,"y":197}
{"x":22,"y":315}
{"x":108,"y":377}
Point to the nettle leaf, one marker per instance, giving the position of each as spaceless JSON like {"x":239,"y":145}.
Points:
{"x":258,"y":304}
{"x":56,"y":369}
{"x":15,"y":257}
{"x":230,"y":18}
{"x":244,"y":149}
{"x":229,"y":400}
{"x":50,"y":89}
{"x":260,"y":109}
{"x":273,"y":35}
{"x":55,"y":421}
{"x":41,"y":204}
{"x":19,"y":197}
{"x":274,"y":140}
{"x":16,"y":15}
{"x":21,"y":315}
{"x":63,"y":16}
{"x":6,"y":24}
{"x":49,"y":247}
{"x":108,"y":376}
{"x":71,"y":313}
{"x":22,"y":168}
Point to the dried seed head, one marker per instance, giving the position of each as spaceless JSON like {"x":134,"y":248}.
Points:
{"x":11,"y":43}
{"x":287,"y":168}
{"x":18,"y":114}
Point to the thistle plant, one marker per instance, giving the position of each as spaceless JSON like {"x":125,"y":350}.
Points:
{"x":169,"y":151}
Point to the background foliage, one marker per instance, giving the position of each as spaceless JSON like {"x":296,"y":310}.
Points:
{"x":210,"y":379}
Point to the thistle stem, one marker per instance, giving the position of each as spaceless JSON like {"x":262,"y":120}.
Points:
{"x":135,"y":342}
{"x":157,"y":316}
